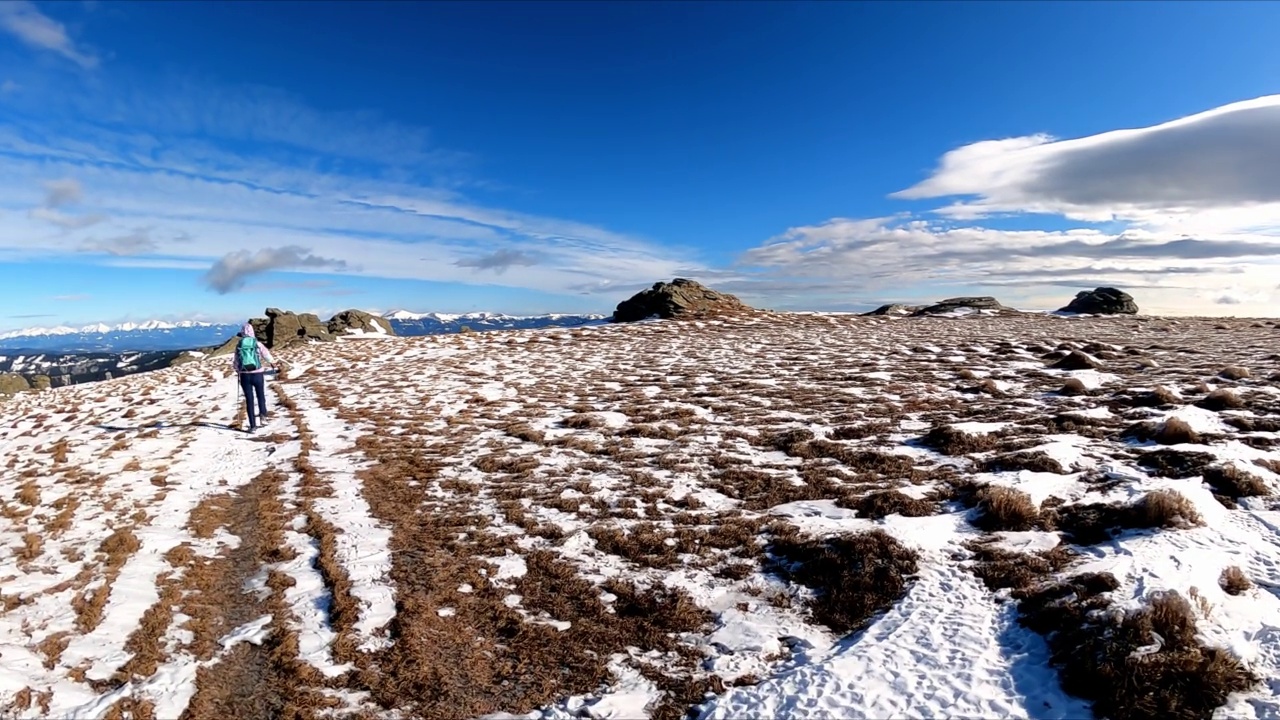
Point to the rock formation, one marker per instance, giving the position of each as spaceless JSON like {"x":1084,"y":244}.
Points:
{"x":984,"y":302}
{"x":282,"y":328}
{"x":348,"y":320}
{"x":11,"y":384}
{"x":678,"y":298}
{"x":1102,"y":301}
{"x":894,"y":309}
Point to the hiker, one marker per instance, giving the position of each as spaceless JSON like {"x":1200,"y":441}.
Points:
{"x":247,"y":359}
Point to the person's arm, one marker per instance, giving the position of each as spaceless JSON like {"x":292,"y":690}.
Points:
{"x":266,"y":353}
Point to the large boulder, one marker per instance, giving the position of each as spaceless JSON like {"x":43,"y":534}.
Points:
{"x":1102,"y":301}
{"x":11,"y":384}
{"x":359,"y":321}
{"x":680,"y":297}
{"x":961,"y":305}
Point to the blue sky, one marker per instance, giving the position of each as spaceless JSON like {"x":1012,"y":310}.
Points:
{"x":193,"y":159}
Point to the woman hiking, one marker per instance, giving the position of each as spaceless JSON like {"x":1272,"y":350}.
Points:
{"x":247,"y":359}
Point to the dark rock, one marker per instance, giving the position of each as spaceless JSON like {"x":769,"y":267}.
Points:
{"x":1102,"y":301}
{"x":680,"y":297}
{"x":894,"y":309}
{"x":984,"y":302}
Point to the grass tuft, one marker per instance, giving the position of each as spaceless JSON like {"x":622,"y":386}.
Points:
{"x":1232,"y":482}
{"x":1221,"y":399}
{"x":1233,"y":581}
{"x":950,"y":441}
{"x":855,"y":576}
{"x":1001,"y":508}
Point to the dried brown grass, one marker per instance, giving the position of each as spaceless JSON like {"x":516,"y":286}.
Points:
{"x":29,"y":494}
{"x":1004,"y":569}
{"x":1221,"y":399}
{"x":882,"y":503}
{"x":1030,"y":461}
{"x":950,"y":441}
{"x":856,"y":576}
{"x":1115,"y":665}
{"x":1233,"y":581}
{"x":1235,"y":372}
{"x":1089,"y":524}
{"x":1073,"y":387}
{"x":1175,"y":431}
{"x":1001,"y":508}
{"x":1232,"y":482}
{"x":1177,"y":464}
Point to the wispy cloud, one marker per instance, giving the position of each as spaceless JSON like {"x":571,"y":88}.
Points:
{"x":231,"y":272}
{"x":9,"y":86}
{"x":62,"y":192}
{"x":138,"y":242}
{"x":499,"y":261}
{"x":24,"y":21}
{"x":215,"y":170}
{"x":72,"y":298}
{"x":59,"y":194}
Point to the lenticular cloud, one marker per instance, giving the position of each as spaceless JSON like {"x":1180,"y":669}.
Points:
{"x":1228,"y":157}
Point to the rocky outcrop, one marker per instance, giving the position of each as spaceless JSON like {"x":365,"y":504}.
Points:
{"x":1102,"y":301}
{"x":359,"y":321}
{"x":952,"y":305}
{"x":282,"y":328}
{"x":894,"y":310}
{"x":11,"y":384}
{"x":678,"y":298}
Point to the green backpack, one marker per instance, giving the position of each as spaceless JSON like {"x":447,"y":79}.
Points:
{"x":248,"y":351}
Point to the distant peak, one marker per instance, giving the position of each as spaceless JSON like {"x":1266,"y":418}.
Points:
{"x":405,"y":315}
{"x":102,"y":328}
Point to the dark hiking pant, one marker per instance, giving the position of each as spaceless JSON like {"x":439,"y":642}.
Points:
{"x":254,"y":384}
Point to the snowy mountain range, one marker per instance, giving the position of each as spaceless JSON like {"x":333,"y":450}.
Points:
{"x":408,"y":323}
{"x":159,"y":336}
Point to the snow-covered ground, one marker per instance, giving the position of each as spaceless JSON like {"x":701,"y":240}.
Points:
{"x":593,"y":521}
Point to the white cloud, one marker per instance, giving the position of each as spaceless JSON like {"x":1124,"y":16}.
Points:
{"x":1214,"y":171}
{"x":253,"y":181}
{"x":1191,"y":209}
{"x":24,"y":21}
{"x":904,"y":260}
